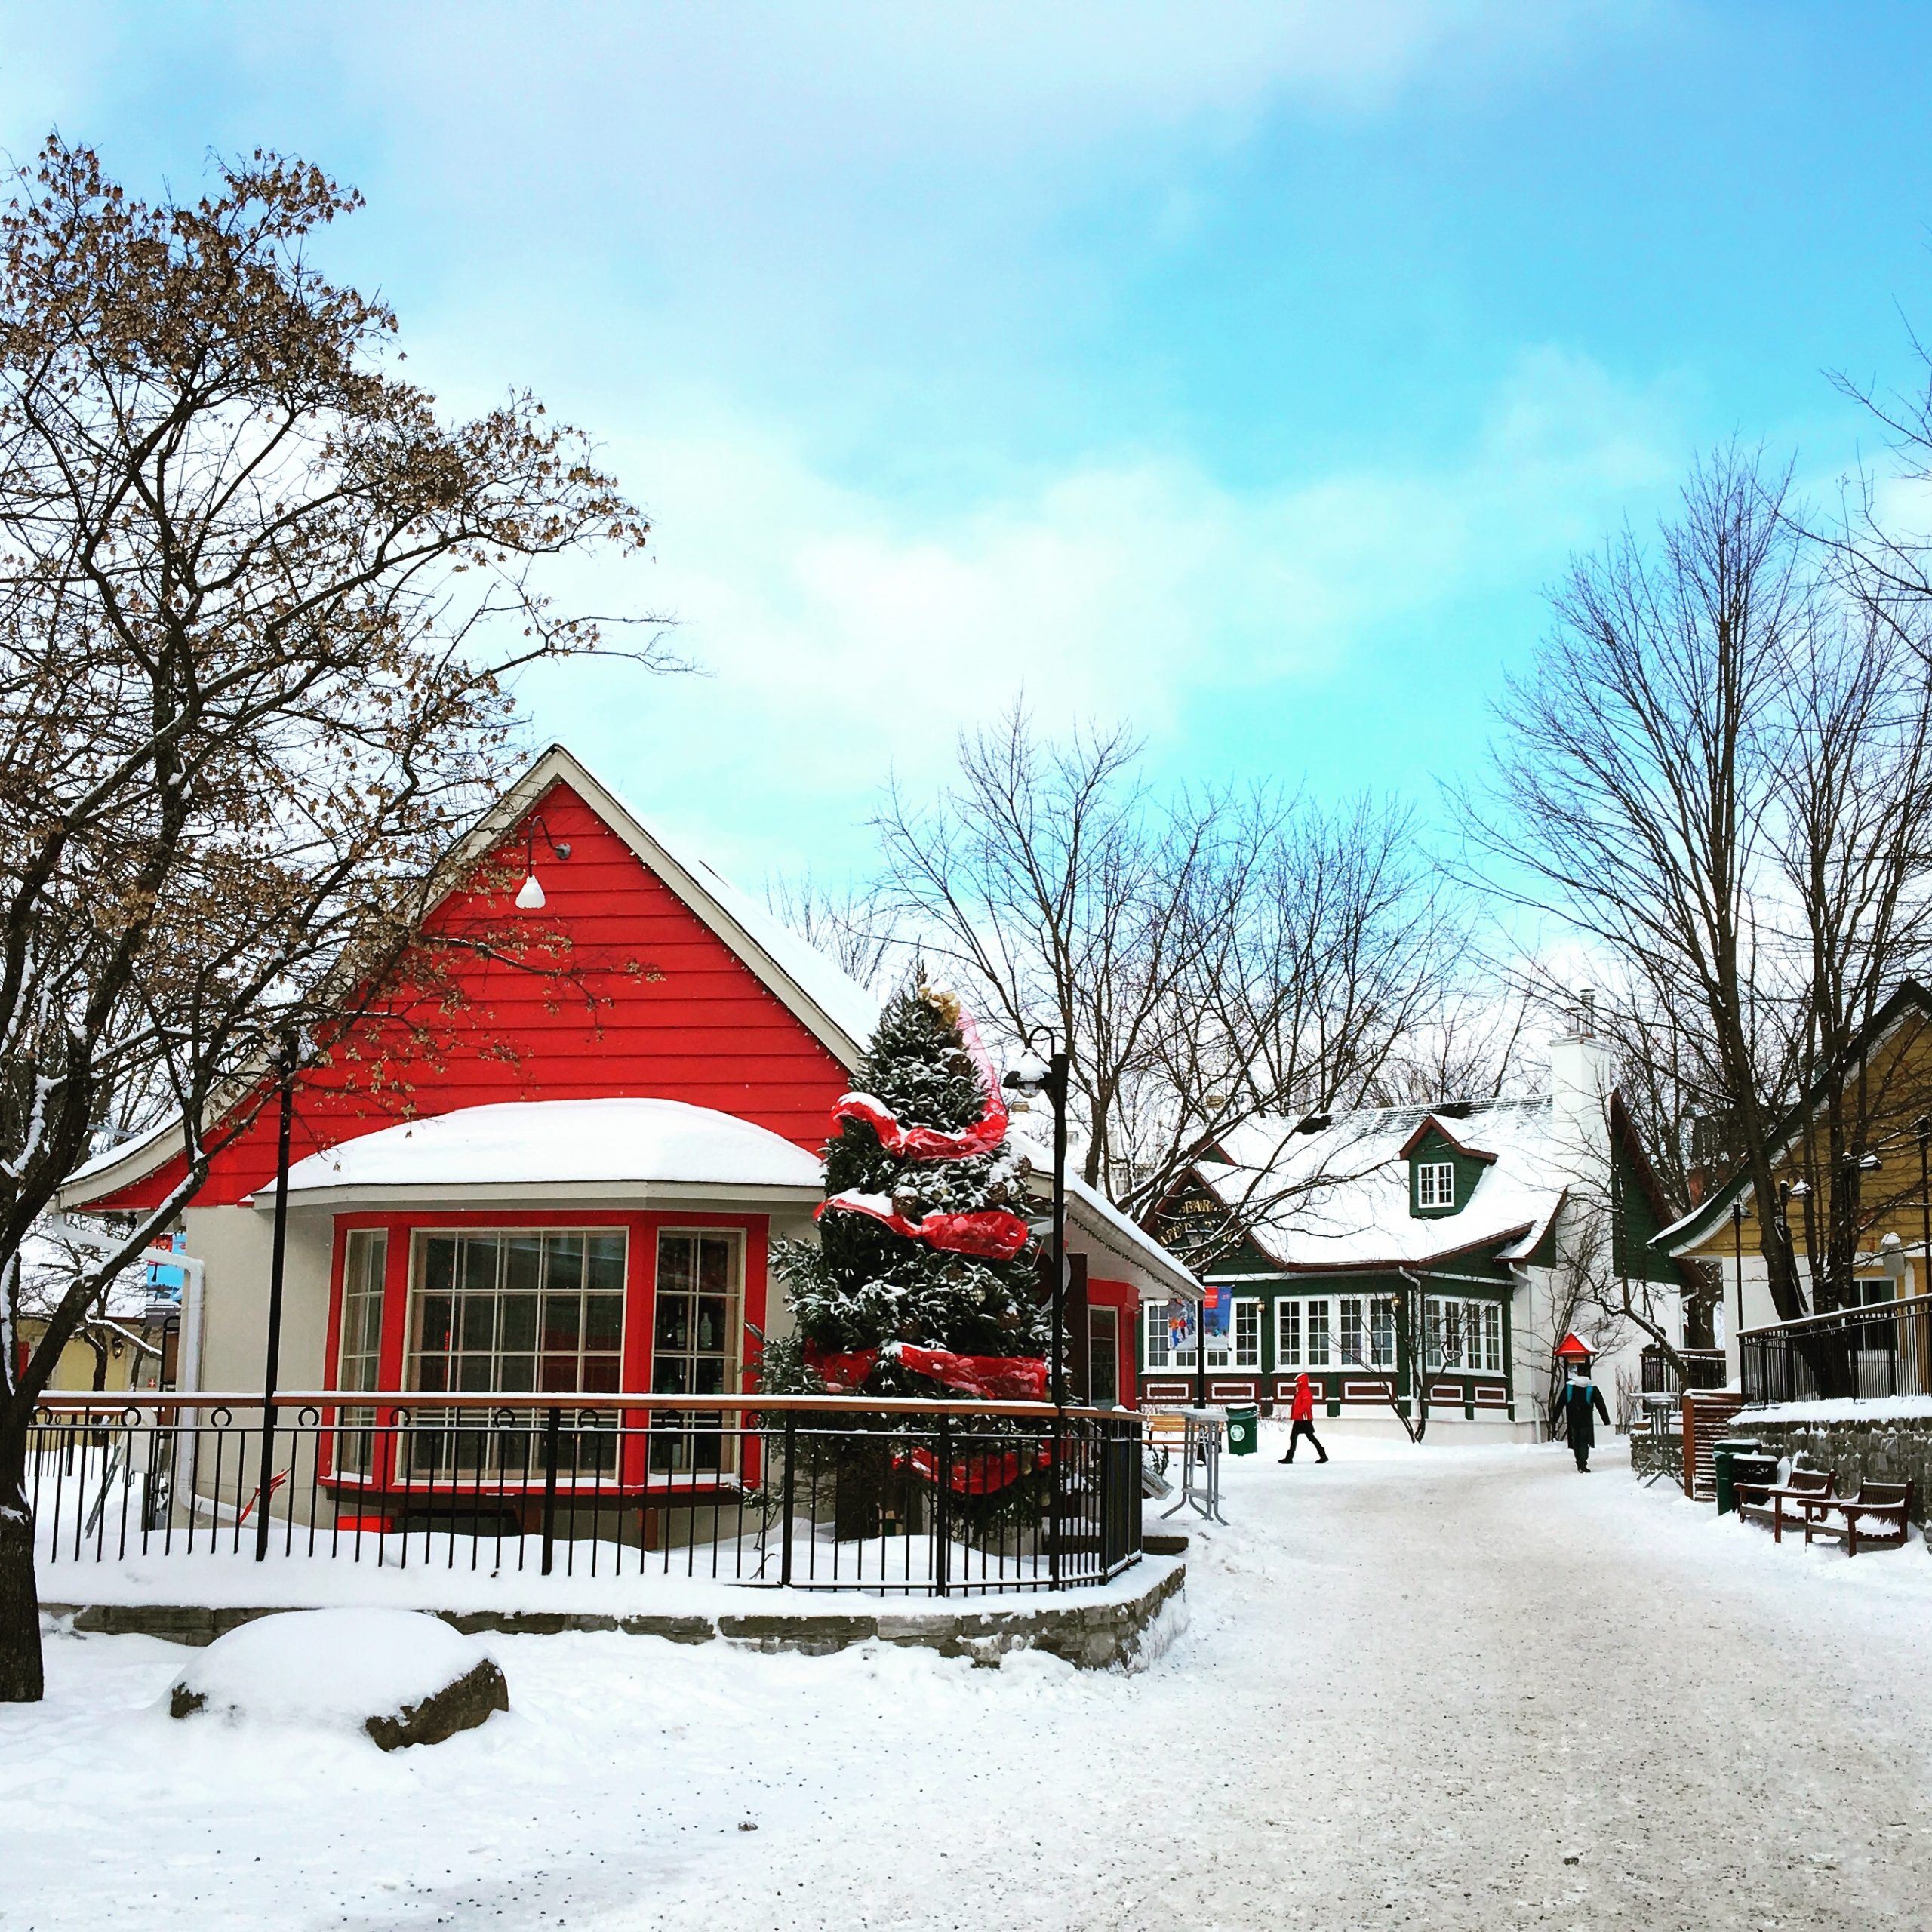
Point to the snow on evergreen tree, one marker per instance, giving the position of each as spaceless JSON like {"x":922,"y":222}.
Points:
{"x":891,"y":1264}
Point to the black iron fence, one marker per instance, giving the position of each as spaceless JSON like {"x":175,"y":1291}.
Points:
{"x":1703,"y":1368}
{"x":903,"y":1498}
{"x":1855,"y":1354}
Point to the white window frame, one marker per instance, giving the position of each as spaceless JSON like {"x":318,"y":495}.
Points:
{"x":1311,"y":1305}
{"x":1436,"y":1184}
{"x":1287,"y":1317}
{"x":1240,"y":1348}
{"x":1476,"y":1327}
{"x":1154,"y":1352}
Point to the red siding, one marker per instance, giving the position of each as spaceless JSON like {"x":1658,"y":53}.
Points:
{"x":658,"y":1007}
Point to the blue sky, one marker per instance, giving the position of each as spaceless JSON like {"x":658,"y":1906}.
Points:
{"x":1242,"y":371}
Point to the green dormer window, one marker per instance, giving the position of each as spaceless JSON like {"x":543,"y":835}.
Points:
{"x":1444,"y":1173}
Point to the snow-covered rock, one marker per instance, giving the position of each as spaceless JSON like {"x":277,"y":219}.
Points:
{"x":403,"y":1677}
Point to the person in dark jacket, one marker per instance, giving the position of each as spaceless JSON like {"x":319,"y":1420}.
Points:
{"x":1301,"y":1420}
{"x":1580,"y":1397}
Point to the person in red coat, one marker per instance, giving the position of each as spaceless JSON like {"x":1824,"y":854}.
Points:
{"x":1301,"y":1420}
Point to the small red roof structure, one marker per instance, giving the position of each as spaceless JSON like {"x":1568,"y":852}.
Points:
{"x":1573,"y":1348}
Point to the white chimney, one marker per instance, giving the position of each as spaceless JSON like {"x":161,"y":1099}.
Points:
{"x":1579,"y":1084}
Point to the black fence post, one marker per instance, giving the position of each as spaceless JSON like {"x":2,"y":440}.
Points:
{"x":1056,"y":1490}
{"x":943,"y":1509}
{"x":553,"y":1429}
{"x":791,"y":1495}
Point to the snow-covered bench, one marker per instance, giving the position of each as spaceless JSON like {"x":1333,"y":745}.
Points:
{"x":1879,"y":1516}
{"x":1801,"y":1493}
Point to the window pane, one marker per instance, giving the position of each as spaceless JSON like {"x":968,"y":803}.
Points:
{"x":518,"y":1332}
{"x":604,"y":1259}
{"x":523,"y":1257}
{"x":603,"y":1321}
{"x":711,"y":1331}
{"x":600,"y":1375}
{"x":714,"y":1266}
{"x":561,"y":1316}
{"x":673,"y":1329}
{"x":479,"y":1264}
{"x":674,"y":1264}
{"x":433,"y":1325}
{"x":438,"y":1263}
{"x":564,"y":1259}
{"x":1318,"y":1334}
{"x":479,"y":1321}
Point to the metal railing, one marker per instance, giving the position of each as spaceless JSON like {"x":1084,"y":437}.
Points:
{"x":898,"y":1497}
{"x":1855,"y":1354}
{"x":1704,"y":1368}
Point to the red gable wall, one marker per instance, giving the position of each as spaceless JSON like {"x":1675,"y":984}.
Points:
{"x":678,"y":1017}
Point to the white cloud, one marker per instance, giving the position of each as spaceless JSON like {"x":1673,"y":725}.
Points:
{"x":844,"y":635}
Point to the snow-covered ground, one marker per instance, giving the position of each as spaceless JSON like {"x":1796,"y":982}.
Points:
{"x":1451,"y":1688}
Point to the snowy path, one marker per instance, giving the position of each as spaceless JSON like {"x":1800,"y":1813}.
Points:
{"x":1414,"y":1688}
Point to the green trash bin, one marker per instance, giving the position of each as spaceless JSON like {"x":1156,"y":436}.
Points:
{"x":1723,"y":1452}
{"x":1244,"y":1429}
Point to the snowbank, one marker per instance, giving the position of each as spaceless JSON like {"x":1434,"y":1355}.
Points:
{"x":1884,"y":1408}
{"x":333,"y":1670}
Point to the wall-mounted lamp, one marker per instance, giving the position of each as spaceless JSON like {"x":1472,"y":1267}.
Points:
{"x":530,"y":894}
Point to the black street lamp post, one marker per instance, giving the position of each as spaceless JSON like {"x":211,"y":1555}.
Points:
{"x":285,"y":1060}
{"x":1032,"y":1076}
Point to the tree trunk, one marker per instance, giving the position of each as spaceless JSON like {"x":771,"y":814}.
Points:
{"x":21,"y":1681}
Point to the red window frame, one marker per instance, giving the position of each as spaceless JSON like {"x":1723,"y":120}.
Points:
{"x":640,"y":1325}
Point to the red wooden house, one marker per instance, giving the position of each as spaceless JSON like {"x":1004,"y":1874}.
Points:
{"x":570,"y":1183}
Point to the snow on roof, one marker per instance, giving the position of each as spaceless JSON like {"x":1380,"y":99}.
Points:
{"x":525,"y":1143}
{"x":1338,"y":1195}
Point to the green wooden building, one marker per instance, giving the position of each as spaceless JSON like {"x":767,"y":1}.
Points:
{"x":1419,"y":1261}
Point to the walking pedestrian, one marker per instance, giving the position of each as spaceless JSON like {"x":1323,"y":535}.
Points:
{"x":1301,"y":1420}
{"x":1580,"y":1396}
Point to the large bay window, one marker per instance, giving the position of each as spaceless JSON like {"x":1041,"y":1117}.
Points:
{"x":515,"y":1311}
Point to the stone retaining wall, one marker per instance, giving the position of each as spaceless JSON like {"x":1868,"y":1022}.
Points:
{"x":1114,"y":1633}
{"x":1855,"y":1452}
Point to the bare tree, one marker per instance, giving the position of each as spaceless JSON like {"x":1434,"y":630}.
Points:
{"x":1214,"y":962}
{"x":848,"y":924}
{"x":1717,"y":770}
{"x":1067,"y":897}
{"x":258,"y":607}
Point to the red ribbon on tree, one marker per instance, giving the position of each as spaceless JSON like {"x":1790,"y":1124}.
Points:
{"x":842,"y":1374}
{"x":976,"y":1474}
{"x":926,"y":1143}
{"x":995,"y":1378}
{"x":990,"y":1233}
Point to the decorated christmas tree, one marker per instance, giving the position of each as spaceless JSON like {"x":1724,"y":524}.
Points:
{"x":925,"y":1279}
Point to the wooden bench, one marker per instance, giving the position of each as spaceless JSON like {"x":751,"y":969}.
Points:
{"x":1804,"y":1492}
{"x":1879,"y":1516}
